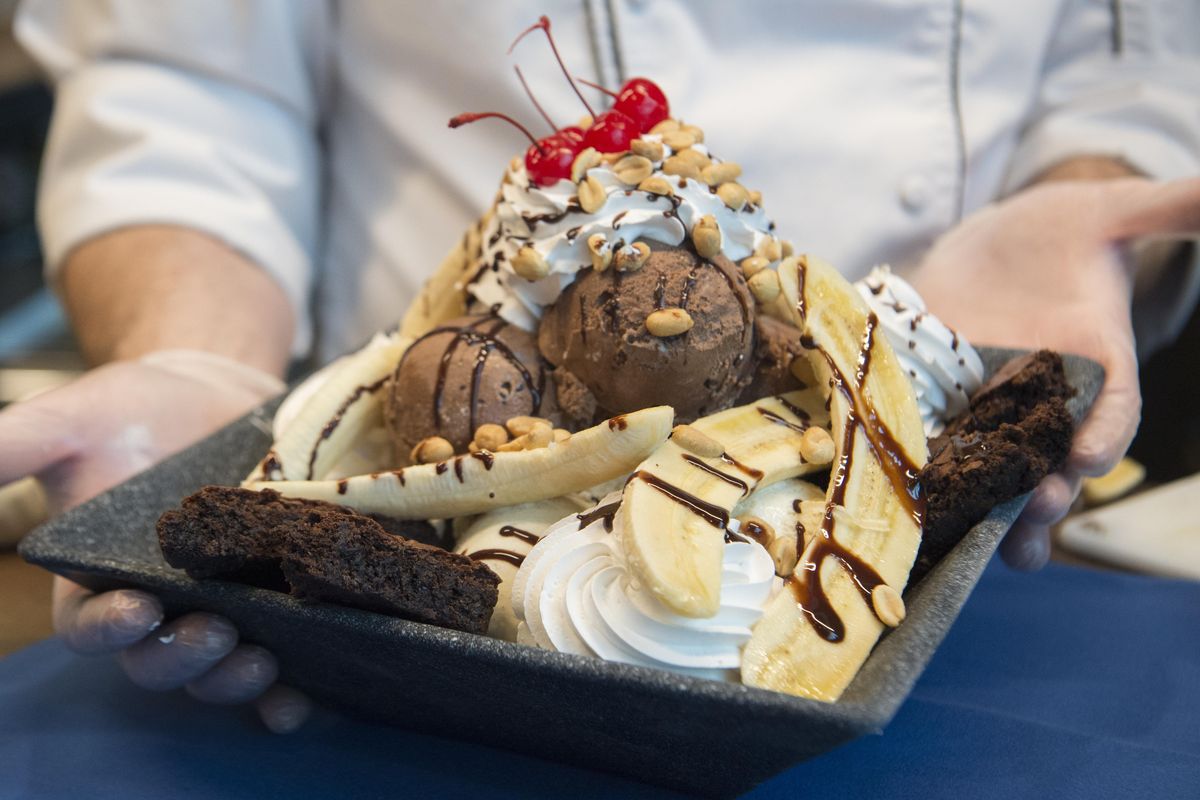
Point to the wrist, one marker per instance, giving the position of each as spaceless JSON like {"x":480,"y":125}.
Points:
{"x":1087,"y":168}
{"x":215,"y":371}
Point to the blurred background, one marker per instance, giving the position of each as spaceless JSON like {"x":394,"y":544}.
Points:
{"x":37,"y":350}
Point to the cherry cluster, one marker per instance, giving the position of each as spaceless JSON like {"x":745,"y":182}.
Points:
{"x":637,"y":107}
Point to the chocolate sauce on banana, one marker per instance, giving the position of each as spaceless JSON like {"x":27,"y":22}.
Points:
{"x":778,"y":420}
{"x":900,"y":470}
{"x":718,"y":474}
{"x":605,"y":512}
{"x":714,"y":515}
{"x":497,"y":554}
{"x":486,"y":457}
{"x":517,"y":533}
{"x":755,"y":475}
{"x":338,"y":415}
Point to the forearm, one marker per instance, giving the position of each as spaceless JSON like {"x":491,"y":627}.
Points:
{"x":151,"y":287}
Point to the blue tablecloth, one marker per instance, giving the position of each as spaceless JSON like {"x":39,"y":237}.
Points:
{"x":1068,"y":683}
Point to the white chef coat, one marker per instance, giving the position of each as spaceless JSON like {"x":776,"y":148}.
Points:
{"x":311,"y":135}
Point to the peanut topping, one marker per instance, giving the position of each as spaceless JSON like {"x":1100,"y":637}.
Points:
{"x":681,"y":167}
{"x":647,"y":149}
{"x":519,"y":426}
{"x":734,"y":195}
{"x":658,"y":185}
{"x":489,"y":436}
{"x":716,"y":174}
{"x":669,"y":322}
{"x":431,"y":450}
{"x":632,"y":257}
{"x":587,"y":159}
{"x":753,"y":265}
{"x":770,"y":249}
{"x":785,"y":554}
{"x":529,"y":264}
{"x":693,"y":156}
{"x":696,"y":441}
{"x":601,"y":251}
{"x":695,"y":131}
{"x":816,"y":446}
{"x":678,"y":140}
{"x":592,"y":196}
{"x":706,"y":237}
{"x":888,"y":605}
{"x":633,"y":169}
{"x":561,"y":435}
{"x":764,"y":285}
{"x":666,"y":126}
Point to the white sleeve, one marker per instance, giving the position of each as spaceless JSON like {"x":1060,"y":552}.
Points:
{"x":1122,"y":79}
{"x":201,"y":113}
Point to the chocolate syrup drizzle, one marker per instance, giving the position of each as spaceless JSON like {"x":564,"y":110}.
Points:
{"x":605,"y":512}
{"x":714,"y":515}
{"x":718,"y":474}
{"x":337,"y":417}
{"x":497,"y":554}
{"x":902,"y":473}
{"x":517,"y":533}
{"x":488,"y":341}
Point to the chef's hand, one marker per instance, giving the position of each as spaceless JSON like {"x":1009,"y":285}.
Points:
{"x":94,"y":433}
{"x":1046,"y":268}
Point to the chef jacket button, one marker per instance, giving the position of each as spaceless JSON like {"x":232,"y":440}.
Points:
{"x":915,"y":192}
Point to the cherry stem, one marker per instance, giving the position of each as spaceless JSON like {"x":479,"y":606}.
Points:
{"x":466,"y":119}
{"x":544,"y":23}
{"x":532,"y":99}
{"x":597,"y":87}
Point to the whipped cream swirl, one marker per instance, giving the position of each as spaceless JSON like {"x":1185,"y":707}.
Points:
{"x":576,"y":594}
{"x":550,"y":220}
{"x":944,"y":368}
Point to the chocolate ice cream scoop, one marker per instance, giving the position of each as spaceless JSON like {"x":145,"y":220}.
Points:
{"x":777,"y":350}
{"x":469,"y":371}
{"x":597,"y":331}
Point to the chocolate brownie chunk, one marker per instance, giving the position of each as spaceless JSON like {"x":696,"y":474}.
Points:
{"x":344,"y":560}
{"x":323,"y":551}
{"x":1016,"y":432}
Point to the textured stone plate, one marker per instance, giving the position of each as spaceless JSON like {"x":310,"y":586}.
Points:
{"x":642,"y":723}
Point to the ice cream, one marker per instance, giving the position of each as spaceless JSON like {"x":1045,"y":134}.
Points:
{"x":944,"y":368}
{"x":575,"y":593}
{"x":464,"y":373}
{"x":598,"y":332}
{"x":780,"y":364}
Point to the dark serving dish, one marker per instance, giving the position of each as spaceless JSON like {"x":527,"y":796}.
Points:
{"x":638,"y":722}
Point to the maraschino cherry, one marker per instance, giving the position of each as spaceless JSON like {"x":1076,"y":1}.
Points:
{"x":547,"y":160}
{"x":640,"y":99}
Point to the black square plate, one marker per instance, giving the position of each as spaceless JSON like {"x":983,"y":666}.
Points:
{"x":642,"y":723}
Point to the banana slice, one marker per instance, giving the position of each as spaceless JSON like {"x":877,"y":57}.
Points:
{"x":470,"y":484}
{"x":819,"y":629}
{"x":334,"y":418}
{"x":678,"y":503}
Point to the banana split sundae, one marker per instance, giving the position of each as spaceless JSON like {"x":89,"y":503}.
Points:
{"x":651,"y":431}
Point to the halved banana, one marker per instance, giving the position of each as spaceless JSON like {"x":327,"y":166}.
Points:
{"x":331,"y":422}
{"x":817,"y":632}
{"x":677,"y":504}
{"x":443,"y":296}
{"x":470,"y":484}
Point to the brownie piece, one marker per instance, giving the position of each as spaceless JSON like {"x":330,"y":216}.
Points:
{"x":326,"y":552}
{"x":345,"y":560}
{"x":1016,"y":431}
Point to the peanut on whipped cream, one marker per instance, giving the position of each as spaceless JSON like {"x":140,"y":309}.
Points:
{"x":552,"y":223}
{"x":576,"y":594}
